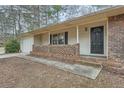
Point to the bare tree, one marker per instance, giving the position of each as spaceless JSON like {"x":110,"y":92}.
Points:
{"x":15,"y":20}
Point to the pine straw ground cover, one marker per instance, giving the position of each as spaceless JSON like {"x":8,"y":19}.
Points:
{"x":17,"y":72}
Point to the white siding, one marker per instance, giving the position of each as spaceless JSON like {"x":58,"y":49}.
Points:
{"x":38,"y":39}
{"x":45,"y":39}
{"x":41,"y":39}
{"x":84,"y":42}
{"x":72,"y":37}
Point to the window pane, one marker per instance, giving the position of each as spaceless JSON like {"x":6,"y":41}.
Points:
{"x":61,"y":38}
{"x":66,"y":37}
{"x":50,"y":39}
{"x":55,"y":39}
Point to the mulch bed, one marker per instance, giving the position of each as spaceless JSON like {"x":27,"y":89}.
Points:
{"x":17,"y":72}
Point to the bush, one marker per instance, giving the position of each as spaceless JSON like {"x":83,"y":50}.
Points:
{"x":12,"y":46}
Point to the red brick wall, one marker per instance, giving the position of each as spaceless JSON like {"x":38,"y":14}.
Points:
{"x":59,"y":52}
{"x":116,"y":37}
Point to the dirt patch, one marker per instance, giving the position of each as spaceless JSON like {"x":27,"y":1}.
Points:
{"x":17,"y":72}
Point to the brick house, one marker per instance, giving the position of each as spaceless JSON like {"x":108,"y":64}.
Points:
{"x":92,"y":36}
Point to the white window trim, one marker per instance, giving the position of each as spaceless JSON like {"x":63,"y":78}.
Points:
{"x":57,"y":38}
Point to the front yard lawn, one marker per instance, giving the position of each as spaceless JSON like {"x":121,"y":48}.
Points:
{"x":17,"y":72}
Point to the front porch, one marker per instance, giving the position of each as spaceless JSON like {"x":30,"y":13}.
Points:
{"x":73,"y":43}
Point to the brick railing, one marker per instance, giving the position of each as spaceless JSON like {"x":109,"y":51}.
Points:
{"x":59,"y":52}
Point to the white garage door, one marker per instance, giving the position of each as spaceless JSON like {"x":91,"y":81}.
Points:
{"x":26,"y":45}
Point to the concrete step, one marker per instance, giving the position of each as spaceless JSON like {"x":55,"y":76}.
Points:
{"x":82,"y":70}
{"x":102,"y":58}
{"x":89,"y":63}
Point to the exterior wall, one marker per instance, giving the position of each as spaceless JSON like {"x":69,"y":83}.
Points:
{"x":116,"y":38}
{"x":84,"y":38}
{"x":84,"y":41}
{"x":38,"y":39}
{"x":45,"y":39}
{"x":72,"y":36}
{"x":41,"y":39}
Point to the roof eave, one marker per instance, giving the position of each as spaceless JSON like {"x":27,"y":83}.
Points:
{"x":105,"y":13}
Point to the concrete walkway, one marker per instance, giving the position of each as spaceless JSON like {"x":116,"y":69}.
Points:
{"x":10,"y":55}
{"x":82,"y":70}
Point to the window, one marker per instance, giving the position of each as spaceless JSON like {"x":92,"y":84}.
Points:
{"x":55,"y":39}
{"x":60,"y":38}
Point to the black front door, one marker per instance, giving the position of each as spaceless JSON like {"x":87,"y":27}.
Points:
{"x":97,"y":40}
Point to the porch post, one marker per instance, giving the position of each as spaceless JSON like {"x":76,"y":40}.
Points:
{"x":49,"y":37}
{"x":107,"y":39}
{"x":77,"y":30}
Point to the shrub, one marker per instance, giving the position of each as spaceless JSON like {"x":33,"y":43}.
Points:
{"x":12,"y":46}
